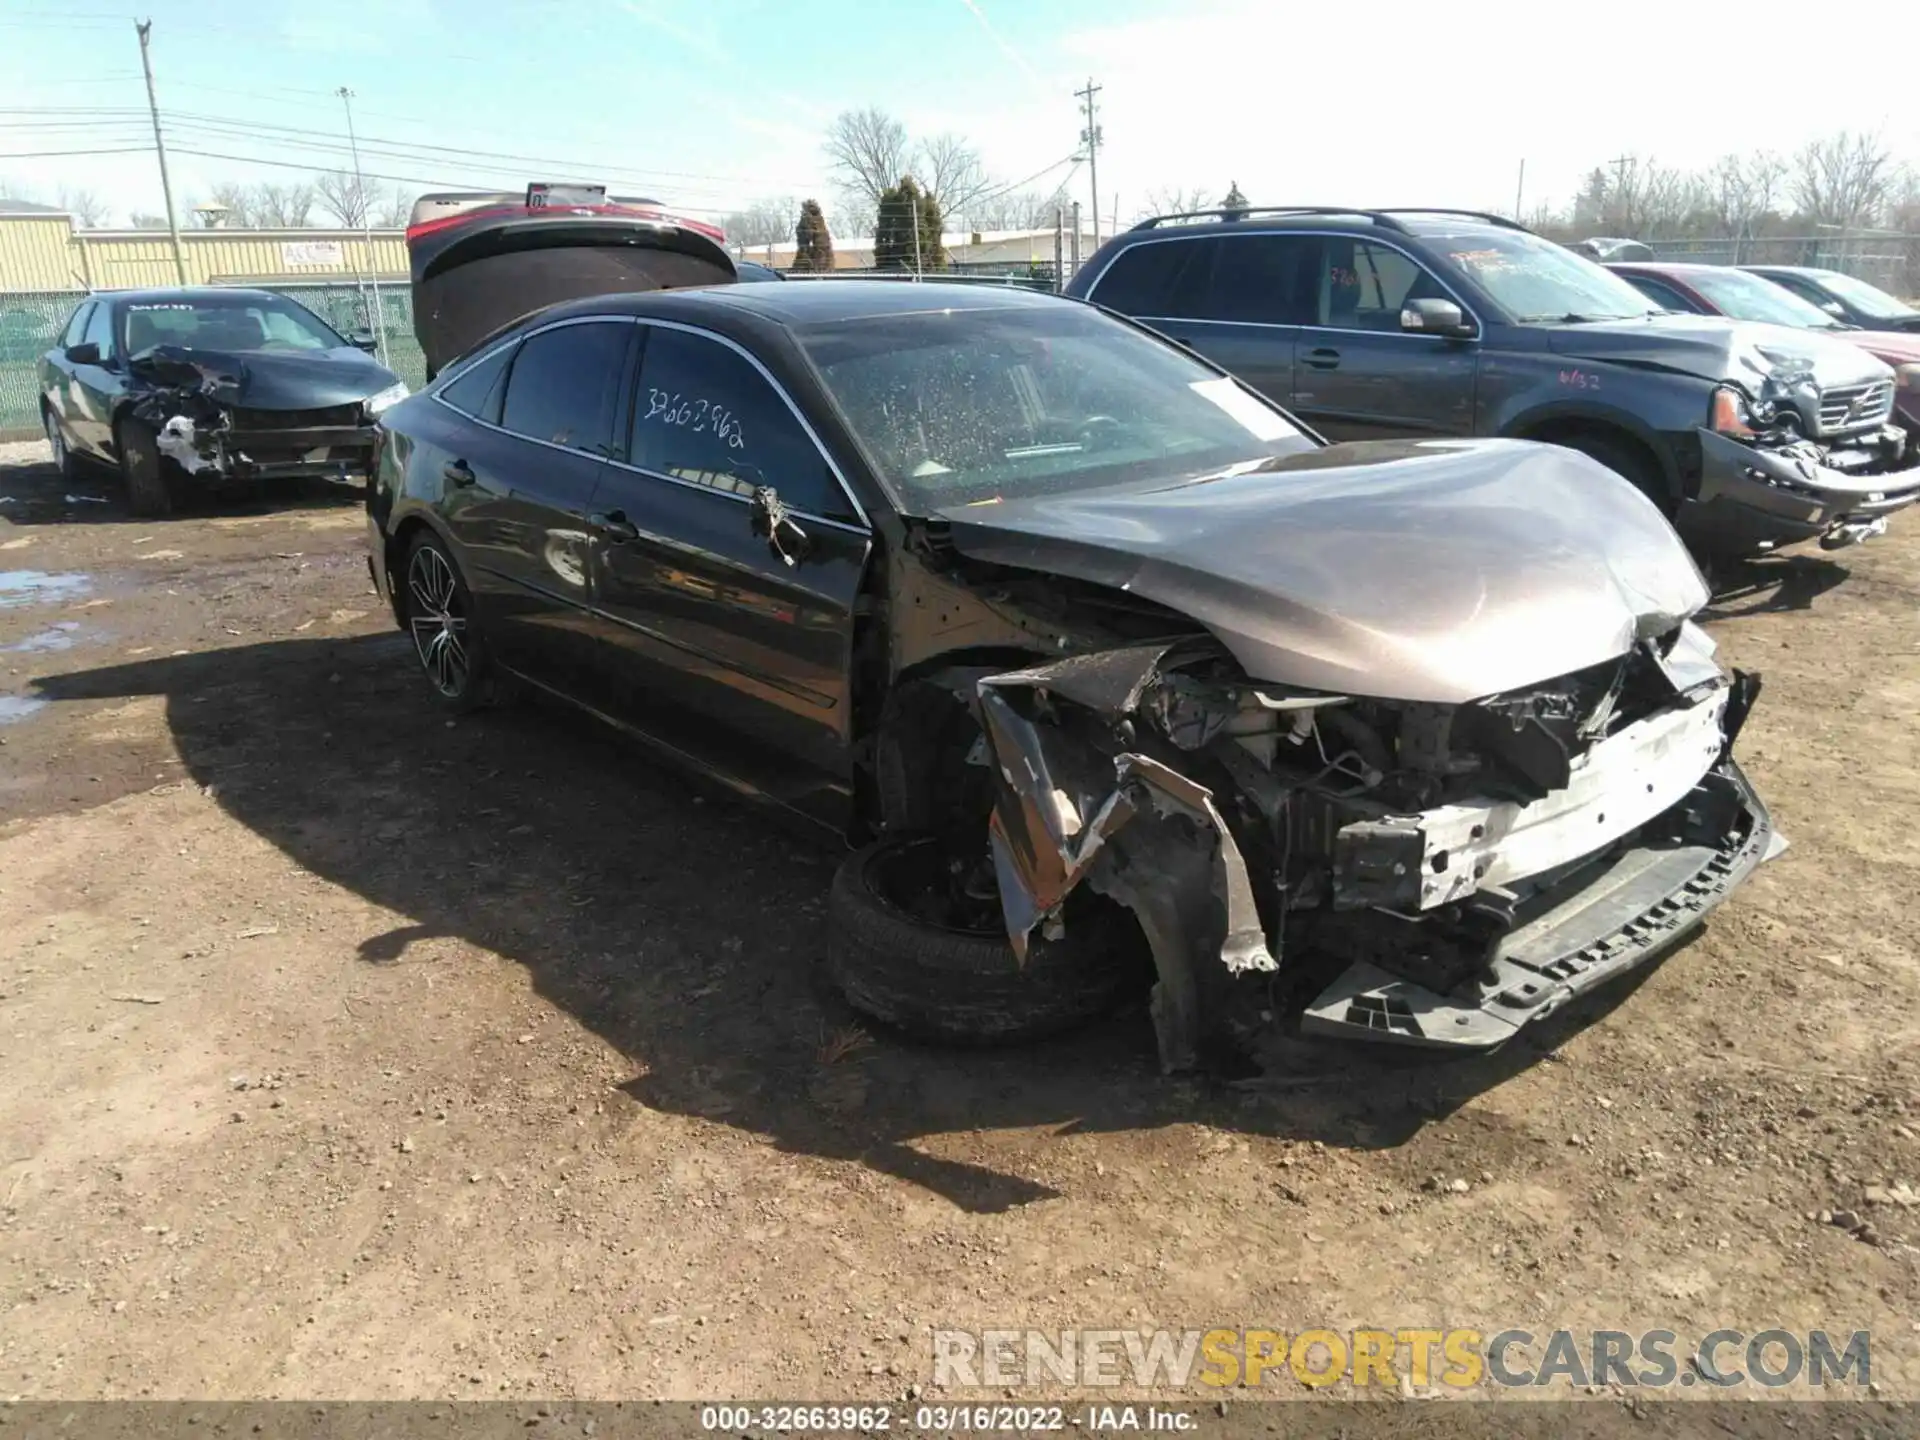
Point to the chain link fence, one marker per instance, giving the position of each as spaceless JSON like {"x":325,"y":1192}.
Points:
{"x":31,"y":323}
{"x":1891,"y":262}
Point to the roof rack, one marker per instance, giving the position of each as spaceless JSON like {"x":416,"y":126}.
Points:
{"x":1387,"y":219}
{"x":1505,"y":222}
{"x":1379,"y":217}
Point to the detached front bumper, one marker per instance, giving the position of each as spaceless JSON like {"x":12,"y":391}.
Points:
{"x":1604,"y":920}
{"x":1751,"y":499}
{"x":335,"y":452}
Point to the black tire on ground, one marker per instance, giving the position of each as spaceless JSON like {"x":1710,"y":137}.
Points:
{"x":63,"y":457}
{"x":964,"y":987}
{"x":439,"y":616}
{"x":143,"y":468}
{"x":1628,"y":461}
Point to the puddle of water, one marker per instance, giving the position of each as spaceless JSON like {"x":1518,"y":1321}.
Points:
{"x":59,"y":636}
{"x":15,"y":708}
{"x":37,"y":587}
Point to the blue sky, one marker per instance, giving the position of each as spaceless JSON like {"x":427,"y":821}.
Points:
{"x":714,"y":103}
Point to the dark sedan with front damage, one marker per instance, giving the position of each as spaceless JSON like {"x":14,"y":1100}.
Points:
{"x":1113,"y":671}
{"x":209,"y":388}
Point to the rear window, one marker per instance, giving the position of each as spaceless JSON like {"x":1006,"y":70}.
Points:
{"x":563,"y":382}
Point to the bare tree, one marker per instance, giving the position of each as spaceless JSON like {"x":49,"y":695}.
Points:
{"x":343,"y":197}
{"x":284,"y":207}
{"x":762,"y":222}
{"x":1022,"y":210}
{"x":1844,"y":179}
{"x":1740,"y":191}
{"x":238,"y":202}
{"x":146,"y":220}
{"x":86,"y":207}
{"x":955,"y":177}
{"x":393,"y":207}
{"x":868,"y":152}
{"x":1175,"y":200}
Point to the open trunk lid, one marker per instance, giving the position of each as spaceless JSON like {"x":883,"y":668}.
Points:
{"x":482,"y":260}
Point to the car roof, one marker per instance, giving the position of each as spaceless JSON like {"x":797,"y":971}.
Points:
{"x":183,"y":292}
{"x":809,"y":302}
{"x":1434,"y":223}
{"x":1682,"y":268}
{"x":1809,"y":270}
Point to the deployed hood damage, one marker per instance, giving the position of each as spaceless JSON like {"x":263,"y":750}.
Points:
{"x":239,"y":414}
{"x":1428,"y":802}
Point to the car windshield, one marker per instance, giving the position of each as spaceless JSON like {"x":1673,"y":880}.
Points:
{"x":245,"y":322}
{"x":961,"y":407}
{"x":1867,"y":299}
{"x":1748,"y":297}
{"x":1536,"y":280}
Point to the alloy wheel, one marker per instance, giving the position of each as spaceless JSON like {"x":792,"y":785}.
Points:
{"x":437,"y":616}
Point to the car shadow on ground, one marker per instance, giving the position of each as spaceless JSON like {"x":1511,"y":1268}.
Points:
{"x":686,"y":929}
{"x":34,"y":494}
{"x":1770,"y":583}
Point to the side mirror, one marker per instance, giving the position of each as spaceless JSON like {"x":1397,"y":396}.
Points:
{"x":783,"y":533}
{"x":364,"y":340}
{"x":84,"y":354}
{"x":1435,"y":317}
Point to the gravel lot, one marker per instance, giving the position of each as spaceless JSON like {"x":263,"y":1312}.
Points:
{"x":348,"y":1052}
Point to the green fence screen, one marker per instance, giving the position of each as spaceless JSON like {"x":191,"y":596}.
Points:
{"x":29,"y":325}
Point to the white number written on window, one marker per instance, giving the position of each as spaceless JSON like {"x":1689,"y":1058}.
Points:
{"x":703,"y":417}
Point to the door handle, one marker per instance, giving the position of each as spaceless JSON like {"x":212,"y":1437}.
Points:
{"x":1321,"y":359}
{"x":457,"y":472}
{"x":614,"y":527}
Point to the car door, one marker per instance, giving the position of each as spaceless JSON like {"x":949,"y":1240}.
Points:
{"x":1239,"y":300}
{"x":702,"y":614}
{"x":515,"y":482}
{"x":96,"y":387}
{"x":1359,"y":376}
{"x":56,"y":377}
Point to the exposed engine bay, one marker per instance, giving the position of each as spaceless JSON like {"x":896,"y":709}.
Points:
{"x":1426,"y":873}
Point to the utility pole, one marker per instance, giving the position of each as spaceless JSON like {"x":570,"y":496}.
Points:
{"x":378,"y":317}
{"x":913,"y":198}
{"x":143,"y":28}
{"x":1090,"y":137}
{"x":1519,"y":190}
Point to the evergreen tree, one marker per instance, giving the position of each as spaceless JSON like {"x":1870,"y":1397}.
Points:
{"x":893,"y":230}
{"x":813,"y":246}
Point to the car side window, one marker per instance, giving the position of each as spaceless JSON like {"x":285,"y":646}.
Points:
{"x":77,"y":326}
{"x":1363,"y":286}
{"x":704,"y":414}
{"x":100,"y":331}
{"x":1262,"y":279}
{"x":563,"y":384}
{"x":477,"y":391}
{"x":1159,"y":278}
{"x":1665,"y":296}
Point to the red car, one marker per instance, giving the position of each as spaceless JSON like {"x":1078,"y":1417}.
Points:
{"x":1723,"y":290}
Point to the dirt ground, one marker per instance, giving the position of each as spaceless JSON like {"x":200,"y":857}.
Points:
{"x":349,"y":1052}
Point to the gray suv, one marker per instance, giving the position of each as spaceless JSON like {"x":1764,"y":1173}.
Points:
{"x":1418,"y":324}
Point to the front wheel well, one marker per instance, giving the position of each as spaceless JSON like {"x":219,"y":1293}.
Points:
{"x":1613,"y":445}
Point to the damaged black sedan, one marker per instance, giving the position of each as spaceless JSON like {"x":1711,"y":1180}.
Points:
{"x":1113,"y":670}
{"x":210,"y":388}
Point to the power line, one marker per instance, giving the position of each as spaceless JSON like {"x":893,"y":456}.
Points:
{"x":49,"y":154}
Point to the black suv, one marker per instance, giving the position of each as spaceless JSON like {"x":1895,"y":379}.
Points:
{"x":1414,"y":324}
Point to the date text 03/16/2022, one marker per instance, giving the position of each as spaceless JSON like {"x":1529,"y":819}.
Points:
{"x":944,"y":1419}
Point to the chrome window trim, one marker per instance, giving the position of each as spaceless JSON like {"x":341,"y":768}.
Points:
{"x":1093,"y":287}
{"x":865,"y":525}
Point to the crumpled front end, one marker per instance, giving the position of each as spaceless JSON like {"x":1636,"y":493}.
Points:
{"x":1794,"y":461}
{"x":191,"y":403}
{"x":1424,"y":873}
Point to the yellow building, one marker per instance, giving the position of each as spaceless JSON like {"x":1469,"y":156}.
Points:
{"x":42,"y":252}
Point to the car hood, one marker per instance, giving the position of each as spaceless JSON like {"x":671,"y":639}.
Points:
{"x":1442,"y":571}
{"x":1892,"y":346}
{"x":1716,"y":349}
{"x":265,"y":379}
